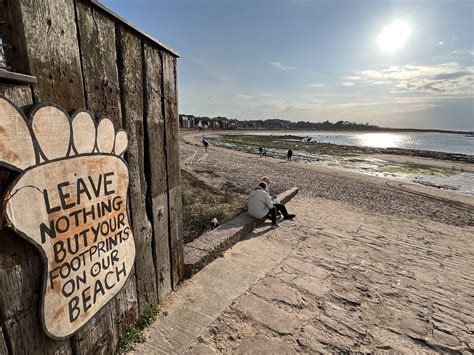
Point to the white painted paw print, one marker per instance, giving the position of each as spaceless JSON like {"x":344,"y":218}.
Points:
{"x":70,"y":201}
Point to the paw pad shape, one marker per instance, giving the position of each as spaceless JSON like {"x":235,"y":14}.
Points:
{"x":70,"y":201}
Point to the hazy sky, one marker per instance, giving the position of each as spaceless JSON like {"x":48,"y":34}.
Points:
{"x":319,"y":60}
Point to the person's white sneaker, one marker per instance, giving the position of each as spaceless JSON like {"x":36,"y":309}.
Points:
{"x":276,"y":225}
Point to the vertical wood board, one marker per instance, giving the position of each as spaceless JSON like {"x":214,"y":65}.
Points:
{"x":131,"y":80}
{"x":20,"y":95}
{"x":173,"y":167}
{"x":111,"y":70}
{"x":99,"y":63}
{"x":3,"y":343}
{"x":13,"y":35}
{"x":27,"y":337}
{"x":102,"y":88}
{"x":53,"y":51}
{"x":156,"y":174}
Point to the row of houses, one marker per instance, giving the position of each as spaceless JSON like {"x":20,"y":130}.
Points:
{"x":192,"y":122}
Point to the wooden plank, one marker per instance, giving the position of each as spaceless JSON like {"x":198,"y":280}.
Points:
{"x":101,"y":81}
{"x":99,"y":63}
{"x":102,"y":333}
{"x":20,"y":95}
{"x":99,"y":335}
{"x":173,"y":168}
{"x":19,"y":272}
{"x":131,"y":83}
{"x":9,"y":76}
{"x":13,"y":36}
{"x":19,"y":299}
{"x":126,"y":305}
{"x":53,"y":51}
{"x":156,"y":172}
{"x":17,"y":280}
{"x":3,"y":343}
{"x":27,"y":337}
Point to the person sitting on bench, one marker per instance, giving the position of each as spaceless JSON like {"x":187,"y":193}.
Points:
{"x":279,"y":206}
{"x":260,"y":205}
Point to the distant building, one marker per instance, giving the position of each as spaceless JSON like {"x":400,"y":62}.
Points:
{"x":186,"y":121}
{"x":224,"y":124}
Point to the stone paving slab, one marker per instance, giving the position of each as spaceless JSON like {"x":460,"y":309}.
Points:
{"x":267,"y":314}
{"x":322,"y":283}
{"x":362,"y":283}
{"x":199,"y":301}
{"x":263,"y":345}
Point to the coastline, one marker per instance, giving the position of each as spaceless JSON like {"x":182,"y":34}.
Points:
{"x":344,"y":149}
{"x":444,"y":171}
{"x":222,"y":165}
{"x":389,"y":259}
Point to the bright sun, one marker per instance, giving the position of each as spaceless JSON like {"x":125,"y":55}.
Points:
{"x":393,"y":36}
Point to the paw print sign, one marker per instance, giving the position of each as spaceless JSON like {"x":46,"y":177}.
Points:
{"x":70,"y":201}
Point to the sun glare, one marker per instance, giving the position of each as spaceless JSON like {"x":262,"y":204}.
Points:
{"x":380,"y":140}
{"x":393,"y":36}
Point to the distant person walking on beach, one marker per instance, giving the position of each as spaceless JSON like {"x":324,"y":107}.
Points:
{"x":260,"y":151}
{"x":206,"y":145}
{"x":260,"y":205}
{"x":289,"y":154}
{"x":264,"y":152}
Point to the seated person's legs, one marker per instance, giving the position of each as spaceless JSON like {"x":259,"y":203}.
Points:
{"x":281,"y":207}
{"x":272,"y":214}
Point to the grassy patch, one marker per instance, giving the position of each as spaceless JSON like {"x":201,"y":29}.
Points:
{"x":134,"y":334}
{"x":201,"y":204}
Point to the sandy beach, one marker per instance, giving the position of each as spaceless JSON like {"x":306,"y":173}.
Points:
{"x":374,"y":194}
{"x":370,"y":264}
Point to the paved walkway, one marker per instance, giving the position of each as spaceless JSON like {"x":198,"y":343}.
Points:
{"x":337,"y":278}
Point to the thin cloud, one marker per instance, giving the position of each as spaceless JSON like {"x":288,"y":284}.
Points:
{"x":243,"y":96}
{"x":315,"y":85}
{"x":400,"y":104}
{"x":443,"y":78}
{"x":281,"y":66}
{"x":350,"y":77}
{"x":348,"y":83}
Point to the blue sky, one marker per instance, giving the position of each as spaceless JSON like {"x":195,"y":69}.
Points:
{"x":318,"y":60}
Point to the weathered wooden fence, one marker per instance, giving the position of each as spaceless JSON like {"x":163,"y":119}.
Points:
{"x":83,"y":55}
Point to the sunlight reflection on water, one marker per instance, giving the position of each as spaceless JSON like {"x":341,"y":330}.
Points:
{"x":381,"y":140}
{"x":439,"y":142}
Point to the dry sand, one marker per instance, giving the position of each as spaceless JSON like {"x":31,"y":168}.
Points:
{"x":371,"y":265}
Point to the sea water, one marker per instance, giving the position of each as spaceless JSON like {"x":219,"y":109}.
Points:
{"x":459,"y":181}
{"x":439,"y":142}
